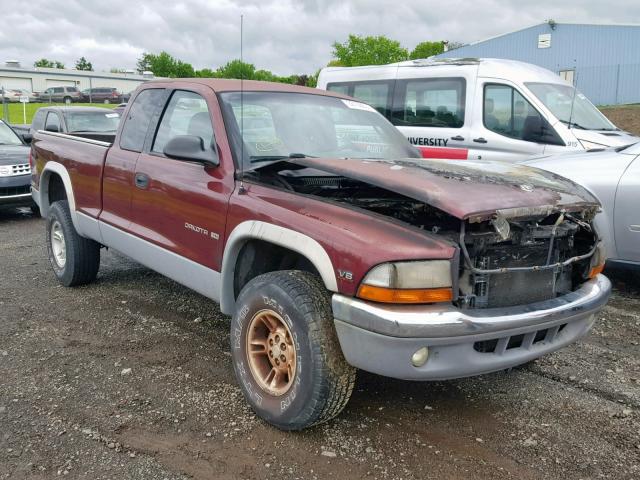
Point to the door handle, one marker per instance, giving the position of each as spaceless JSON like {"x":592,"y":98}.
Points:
{"x":458,"y":138}
{"x":142,"y":180}
{"x":479,"y":140}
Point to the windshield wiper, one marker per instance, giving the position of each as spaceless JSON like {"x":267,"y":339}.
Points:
{"x":574,"y":124}
{"x":274,"y":158}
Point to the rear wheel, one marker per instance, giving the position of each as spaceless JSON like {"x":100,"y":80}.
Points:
{"x":106,"y":100}
{"x":67,"y":100}
{"x":75,"y":259}
{"x":285,"y":351}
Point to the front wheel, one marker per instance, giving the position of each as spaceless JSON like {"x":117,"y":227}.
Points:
{"x":75,"y":259}
{"x":285,"y":351}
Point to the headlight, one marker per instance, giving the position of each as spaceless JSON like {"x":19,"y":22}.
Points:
{"x":590,"y":145}
{"x":408,"y":282}
{"x":5,"y":170}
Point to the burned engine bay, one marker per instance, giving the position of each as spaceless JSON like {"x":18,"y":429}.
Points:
{"x":515,"y":258}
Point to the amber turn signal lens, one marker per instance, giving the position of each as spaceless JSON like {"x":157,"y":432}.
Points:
{"x":596,"y":270}
{"x":391,"y":295}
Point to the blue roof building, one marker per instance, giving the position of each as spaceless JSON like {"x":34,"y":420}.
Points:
{"x":603,"y":61}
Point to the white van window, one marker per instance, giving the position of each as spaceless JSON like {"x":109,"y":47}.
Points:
{"x":507,"y":112}
{"x":570,"y":106}
{"x":437,"y":102}
{"x":375,"y":93}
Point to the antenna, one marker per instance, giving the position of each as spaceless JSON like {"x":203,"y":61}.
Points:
{"x":241,"y":109}
{"x":575,"y":89}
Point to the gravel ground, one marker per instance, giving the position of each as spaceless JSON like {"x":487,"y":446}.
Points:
{"x":131,"y":377}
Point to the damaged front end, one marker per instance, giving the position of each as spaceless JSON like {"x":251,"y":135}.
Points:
{"x":526,"y":256}
{"x":523,"y":236}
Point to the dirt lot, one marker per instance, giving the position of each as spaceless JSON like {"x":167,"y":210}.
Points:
{"x":627,"y":117}
{"x":131,"y":378}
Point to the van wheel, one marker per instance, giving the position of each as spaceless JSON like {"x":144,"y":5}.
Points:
{"x":67,"y":100}
{"x":285,"y":351}
{"x":106,"y":101}
{"x":75,"y":259}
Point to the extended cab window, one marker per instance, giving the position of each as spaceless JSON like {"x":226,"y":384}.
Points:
{"x":375,"y":93}
{"x":508,"y":113}
{"x":139,"y":117}
{"x":186,"y":114}
{"x":53,"y":122}
{"x":433,"y":102}
{"x":38,"y":120}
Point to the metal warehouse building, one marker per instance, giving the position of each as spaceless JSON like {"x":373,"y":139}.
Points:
{"x":13,"y":76}
{"x":603,"y":61}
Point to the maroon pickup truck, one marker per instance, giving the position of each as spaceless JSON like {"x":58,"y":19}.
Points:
{"x":326,"y":237}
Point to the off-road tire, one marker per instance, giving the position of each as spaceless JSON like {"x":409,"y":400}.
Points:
{"x":82,"y":254}
{"x":323,"y":380}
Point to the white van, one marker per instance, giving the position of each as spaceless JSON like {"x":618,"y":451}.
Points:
{"x":471,"y":108}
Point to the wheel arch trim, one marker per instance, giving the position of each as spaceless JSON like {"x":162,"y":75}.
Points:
{"x":60,"y":170}
{"x":277,"y":235}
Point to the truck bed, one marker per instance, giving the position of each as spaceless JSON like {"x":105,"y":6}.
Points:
{"x":83,"y":159}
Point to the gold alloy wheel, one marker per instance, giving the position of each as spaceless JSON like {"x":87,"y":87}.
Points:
{"x":271,"y":353}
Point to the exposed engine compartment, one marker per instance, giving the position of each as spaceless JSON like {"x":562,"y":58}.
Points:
{"x":526,"y":256}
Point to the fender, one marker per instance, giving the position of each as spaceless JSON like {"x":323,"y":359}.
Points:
{"x":55,"y":167}
{"x":284,"y":237}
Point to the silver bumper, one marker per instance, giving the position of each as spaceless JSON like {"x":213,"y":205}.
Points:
{"x":382,"y":339}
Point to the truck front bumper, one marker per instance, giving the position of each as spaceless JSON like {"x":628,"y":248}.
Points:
{"x":383,"y":339}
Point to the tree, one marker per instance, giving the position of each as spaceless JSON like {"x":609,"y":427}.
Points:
{"x":143,"y":64}
{"x":368,"y":51}
{"x":426,"y":50}
{"x":45,"y":63}
{"x":83,"y":64}
{"x":164,"y":65}
{"x":183,"y":70}
{"x":236,"y":69}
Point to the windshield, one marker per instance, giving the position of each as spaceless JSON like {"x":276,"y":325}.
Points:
{"x":558,"y":98}
{"x":92,"y":121}
{"x":277,"y":125}
{"x":8,"y":136}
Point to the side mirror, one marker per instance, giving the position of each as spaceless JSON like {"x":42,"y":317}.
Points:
{"x":52,"y":128}
{"x":191,"y":148}
{"x":27,"y":137}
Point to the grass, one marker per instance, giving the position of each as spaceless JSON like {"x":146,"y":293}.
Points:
{"x":15,"y":110}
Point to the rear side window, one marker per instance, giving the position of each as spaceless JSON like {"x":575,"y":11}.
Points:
{"x":507,"y":112}
{"x":137,"y":122}
{"x":72,"y":89}
{"x":186,"y":114}
{"x":433,"y":102}
{"x":376,"y":93}
{"x":38,"y":120}
{"x":53,"y":122}
{"x":58,"y":90}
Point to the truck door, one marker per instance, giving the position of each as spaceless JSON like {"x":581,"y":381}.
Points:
{"x":430,"y":112}
{"x":627,"y":214}
{"x":180,"y":205}
{"x":502,"y":124}
{"x":119,"y":168}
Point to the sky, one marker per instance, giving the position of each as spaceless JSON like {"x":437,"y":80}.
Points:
{"x":283,"y":36}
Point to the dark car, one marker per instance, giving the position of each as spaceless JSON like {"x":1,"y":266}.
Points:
{"x":101,"y":95}
{"x":15,"y":171}
{"x":89,"y":122}
{"x":60,"y":94}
